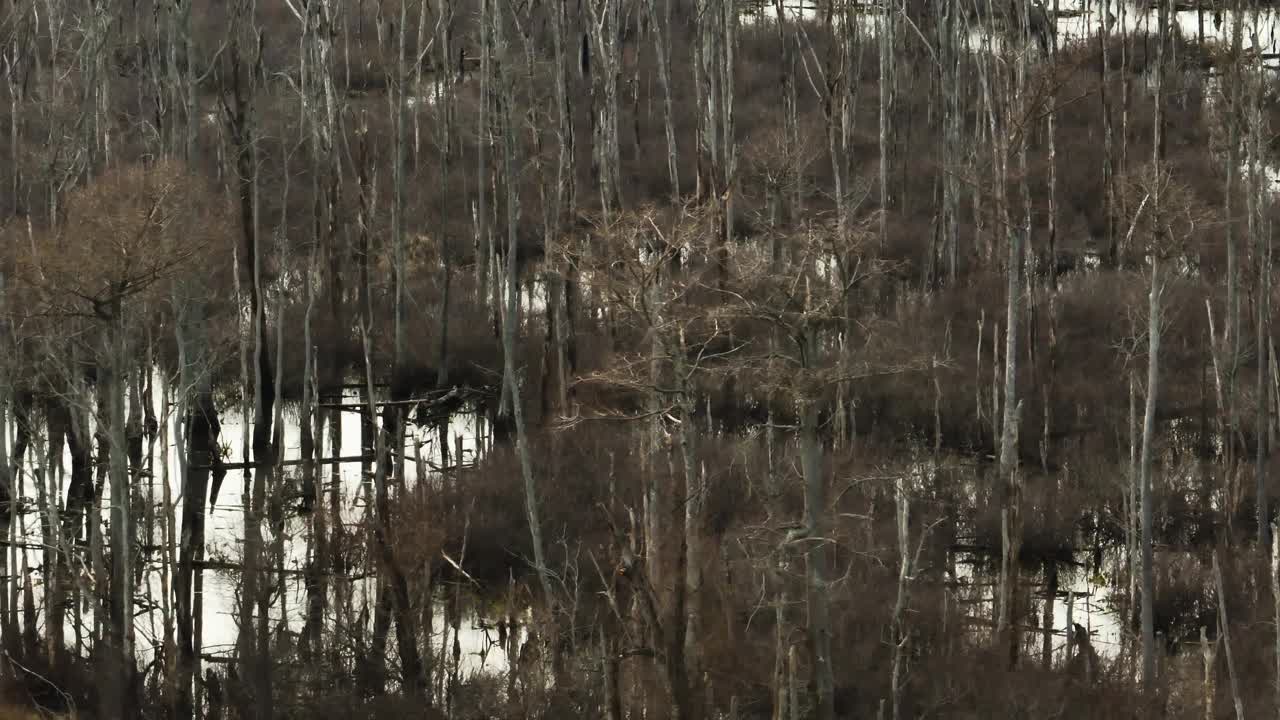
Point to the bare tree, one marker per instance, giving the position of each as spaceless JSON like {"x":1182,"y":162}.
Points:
{"x":506,"y":100}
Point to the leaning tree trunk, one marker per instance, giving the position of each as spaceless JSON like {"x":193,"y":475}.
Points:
{"x":1224,"y":632}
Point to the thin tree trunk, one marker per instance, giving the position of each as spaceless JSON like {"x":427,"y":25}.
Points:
{"x":395,"y":585}
{"x":1275,"y":598}
{"x":566,"y":203}
{"x":1012,"y":495}
{"x":8,"y":612}
{"x":886,"y":100}
{"x":1232,"y":331}
{"x":816,"y":573}
{"x":1257,"y":206}
{"x":398,"y":200}
{"x":1208,"y":655}
{"x":899,"y":636}
{"x":609,"y":672}
{"x":1147,"y":510}
{"x":1134,"y":474}
{"x":604,"y":21}
{"x":1224,"y":632}
{"x":201,"y":437}
{"x":693,"y":546}
{"x":1052,"y":131}
{"x":1153,"y":368}
{"x":661,"y":46}
{"x":121,"y":605}
{"x":511,"y":317}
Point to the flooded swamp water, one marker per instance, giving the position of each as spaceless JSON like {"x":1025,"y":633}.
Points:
{"x":481,"y":637}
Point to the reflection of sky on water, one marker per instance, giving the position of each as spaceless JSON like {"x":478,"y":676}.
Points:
{"x":1079,"y":20}
{"x":225,"y":531}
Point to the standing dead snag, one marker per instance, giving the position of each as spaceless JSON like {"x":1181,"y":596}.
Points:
{"x":506,"y":99}
{"x":713,"y":69}
{"x":1232,"y":332}
{"x":1208,"y":654}
{"x":8,"y":494}
{"x":1258,"y":209}
{"x":1173,"y":222}
{"x":661,"y":29}
{"x":565,"y":196}
{"x":1158,"y":247}
{"x":817,"y":592}
{"x":886,"y":26}
{"x":393,"y":581}
{"x":200,"y":432}
{"x":112,"y":381}
{"x":238,"y":86}
{"x":1275,"y":597}
{"x":1224,"y":632}
{"x":239,"y":83}
{"x":908,"y":566}
{"x":950,"y":59}
{"x":1000,"y":125}
{"x":605,"y":25}
{"x":1147,"y":512}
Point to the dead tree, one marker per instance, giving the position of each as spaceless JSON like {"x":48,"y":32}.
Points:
{"x":605,"y":30}
{"x":200,"y":433}
{"x":1159,"y":246}
{"x":506,"y":101}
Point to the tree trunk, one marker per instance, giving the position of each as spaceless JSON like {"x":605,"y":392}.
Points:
{"x":8,"y":498}
{"x":1224,"y":631}
{"x":1157,"y":248}
{"x":1275,"y":598}
{"x":694,"y":552}
{"x":121,"y":606}
{"x":605,"y":24}
{"x":1147,"y":511}
{"x":1232,"y":331}
{"x":900,"y":637}
{"x":1009,"y":473}
{"x":398,"y":201}
{"x":661,"y":46}
{"x":816,"y":572}
{"x":201,"y":437}
{"x":511,"y":317}
{"x":395,"y":583}
{"x":1208,"y":655}
{"x":1257,"y":207}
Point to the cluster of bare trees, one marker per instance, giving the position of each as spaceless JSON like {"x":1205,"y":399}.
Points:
{"x":716,"y":282}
